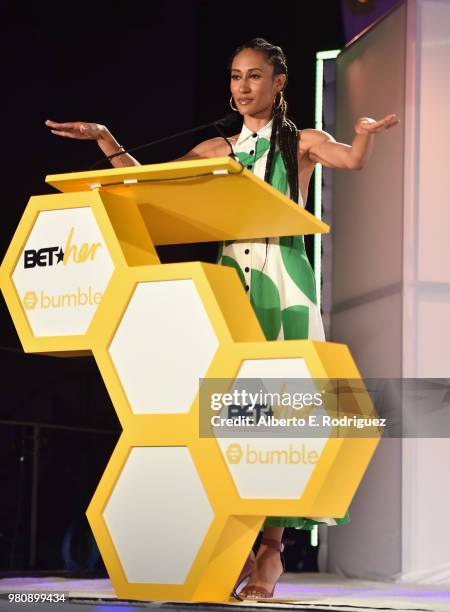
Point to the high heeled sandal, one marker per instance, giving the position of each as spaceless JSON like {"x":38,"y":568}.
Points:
{"x":246,"y":572}
{"x":257,"y":591}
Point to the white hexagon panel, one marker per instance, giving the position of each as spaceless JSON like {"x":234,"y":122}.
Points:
{"x":62,"y":272}
{"x":168,"y":315}
{"x":264,"y":465}
{"x":158,"y":493}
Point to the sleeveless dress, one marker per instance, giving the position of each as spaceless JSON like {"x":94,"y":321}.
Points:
{"x":278,"y":279}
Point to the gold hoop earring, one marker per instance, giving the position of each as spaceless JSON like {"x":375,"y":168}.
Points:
{"x":231,"y":104}
{"x":280,"y":102}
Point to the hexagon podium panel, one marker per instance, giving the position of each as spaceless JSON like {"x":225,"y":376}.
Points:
{"x":183,"y":497}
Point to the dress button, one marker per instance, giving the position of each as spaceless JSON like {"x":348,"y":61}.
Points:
{"x":254,"y":135}
{"x":250,"y":166}
{"x":252,"y":152}
{"x":247,"y":287}
{"x":247,"y":269}
{"x":247,"y":251}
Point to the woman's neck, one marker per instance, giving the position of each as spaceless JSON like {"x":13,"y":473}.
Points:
{"x":256,"y":123}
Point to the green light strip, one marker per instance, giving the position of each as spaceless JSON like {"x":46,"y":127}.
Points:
{"x":321,"y":56}
{"x":324,"y":55}
{"x":314,"y":536}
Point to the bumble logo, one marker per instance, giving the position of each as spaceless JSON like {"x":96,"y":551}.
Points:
{"x":63,"y":300}
{"x":284,"y":456}
{"x":234,"y":453}
{"x":30,"y":299}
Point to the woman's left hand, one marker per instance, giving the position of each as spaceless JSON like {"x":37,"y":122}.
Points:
{"x":367,"y":126}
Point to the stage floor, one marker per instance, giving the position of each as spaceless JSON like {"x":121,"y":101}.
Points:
{"x":317,"y":592}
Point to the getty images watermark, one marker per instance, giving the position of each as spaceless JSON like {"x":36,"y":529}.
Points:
{"x":260,"y":409}
{"x":323,"y":408}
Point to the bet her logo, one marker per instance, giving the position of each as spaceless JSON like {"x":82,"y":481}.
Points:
{"x":49,"y":256}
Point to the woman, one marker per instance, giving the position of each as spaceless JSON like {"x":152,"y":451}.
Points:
{"x":275,"y":272}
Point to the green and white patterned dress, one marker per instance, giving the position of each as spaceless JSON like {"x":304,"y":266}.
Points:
{"x":278,"y":278}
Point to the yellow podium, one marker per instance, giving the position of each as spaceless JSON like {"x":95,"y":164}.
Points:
{"x":182,"y":499}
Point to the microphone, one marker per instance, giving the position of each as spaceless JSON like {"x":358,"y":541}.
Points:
{"x":226,"y":121}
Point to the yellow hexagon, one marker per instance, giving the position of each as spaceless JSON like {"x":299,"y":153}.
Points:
{"x":209,"y":566}
{"x":64,"y":252}
{"x":203,"y":304}
{"x":344,"y":457}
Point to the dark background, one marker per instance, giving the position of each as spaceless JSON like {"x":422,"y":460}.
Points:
{"x":145,"y":70}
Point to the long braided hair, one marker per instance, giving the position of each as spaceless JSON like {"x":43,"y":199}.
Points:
{"x":284,"y":131}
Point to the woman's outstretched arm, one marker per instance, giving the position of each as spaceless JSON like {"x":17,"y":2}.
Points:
{"x":81,"y":130}
{"x":323,"y":149}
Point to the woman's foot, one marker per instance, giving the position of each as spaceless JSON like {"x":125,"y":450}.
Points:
{"x":246,"y":572}
{"x":269,"y":568}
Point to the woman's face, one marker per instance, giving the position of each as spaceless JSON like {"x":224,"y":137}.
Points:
{"x":253,"y":85}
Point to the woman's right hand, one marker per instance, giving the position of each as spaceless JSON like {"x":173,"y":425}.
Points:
{"x":81,"y":130}
{"x":78,"y":129}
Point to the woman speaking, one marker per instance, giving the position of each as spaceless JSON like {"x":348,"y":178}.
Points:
{"x":275,"y":272}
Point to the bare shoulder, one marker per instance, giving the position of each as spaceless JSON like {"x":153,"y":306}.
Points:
{"x":213,"y":147}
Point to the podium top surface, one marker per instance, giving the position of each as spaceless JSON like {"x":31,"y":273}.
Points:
{"x":198,"y":201}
